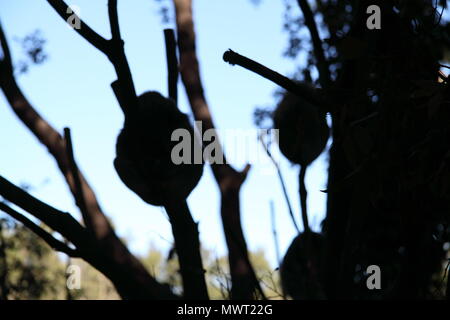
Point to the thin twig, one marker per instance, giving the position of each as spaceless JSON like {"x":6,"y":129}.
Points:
{"x":274,"y":232}
{"x":283,"y":184}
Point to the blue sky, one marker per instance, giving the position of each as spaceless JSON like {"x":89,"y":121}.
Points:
{"x":73,"y":89}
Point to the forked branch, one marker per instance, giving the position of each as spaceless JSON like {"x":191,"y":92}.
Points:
{"x":113,"y":49}
{"x":97,"y":243}
{"x":67,"y":14}
{"x":57,"y":220}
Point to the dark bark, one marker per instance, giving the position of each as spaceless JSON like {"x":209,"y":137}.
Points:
{"x":244,"y":281}
{"x":322,"y":64}
{"x":187,"y":246}
{"x":96,"y":243}
{"x":109,"y":255}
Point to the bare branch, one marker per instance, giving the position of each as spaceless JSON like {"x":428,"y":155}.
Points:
{"x":322,"y":64}
{"x":234,"y":58}
{"x":300,"y":90}
{"x":85,"y":31}
{"x":108,"y":255}
{"x":187,"y":245}
{"x":113,"y":49}
{"x":78,"y":192}
{"x":47,"y":237}
{"x":229,"y":180}
{"x":114,"y":20}
{"x":274,"y":232}
{"x":6,"y":62}
{"x":57,"y":220}
{"x":172,"y":63}
{"x":56,"y":145}
{"x":105,"y":251}
{"x":115,"y":85}
{"x":303,"y":195}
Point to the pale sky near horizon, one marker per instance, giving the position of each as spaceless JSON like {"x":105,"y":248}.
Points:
{"x":72,"y":89}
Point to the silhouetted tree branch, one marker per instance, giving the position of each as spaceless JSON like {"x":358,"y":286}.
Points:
{"x":55,"y":144}
{"x":78,"y":194}
{"x":185,"y":230}
{"x":47,"y":237}
{"x":114,"y":20}
{"x":113,"y":49}
{"x":296,"y":88}
{"x":303,"y":194}
{"x":85,"y":31}
{"x":322,"y":64}
{"x":111,"y":256}
{"x":59,"y":221}
{"x":447,"y":288}
{"x":187,"y":246}
{"x":283,"y":184}
{"x":229,"y":180}
{"x":172,"y":63}
{"x":108,"y":255}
